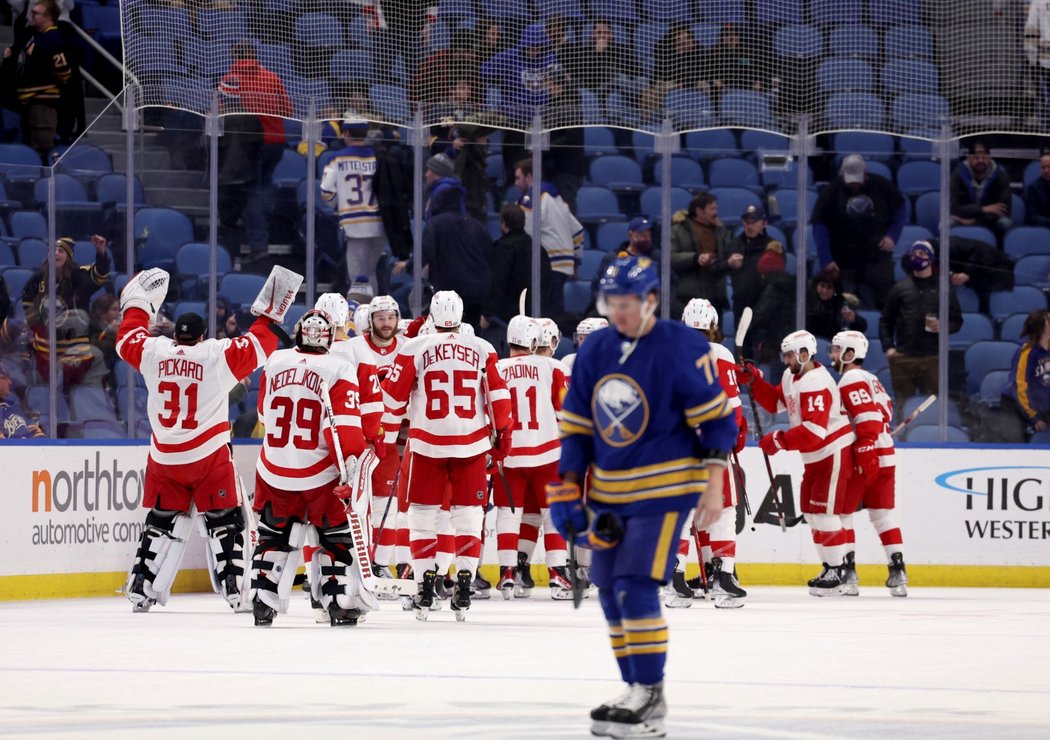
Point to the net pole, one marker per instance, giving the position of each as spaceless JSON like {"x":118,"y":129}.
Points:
{"x":418,"y":147}
{"x":311,"y":202}
{"x":945,"y":147}
{"x":52,"y":366}
{"x":213,"y":125}
{"x":535,"y":143}
{"x":801,"y":240}
{"x":667,"y":143}
{"x":130,"y":124}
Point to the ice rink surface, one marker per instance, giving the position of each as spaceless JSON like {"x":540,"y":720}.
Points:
{"x":943,"y":663}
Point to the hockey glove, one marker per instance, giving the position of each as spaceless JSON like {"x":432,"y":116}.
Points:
{"x":379,"y":446}
{"x":567,"y":511}
{"x":865,"y":458}
{"x":606,"y":532}
{"x":772,"y":443}
{"x":343,"y":492}
{"x":748,"y":372}
{"x":501,"y":448}
{"x":741,"y":437}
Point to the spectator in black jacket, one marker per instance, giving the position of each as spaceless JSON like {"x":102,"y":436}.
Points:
{"x":980,"y":191}
{"x":909,"y":326}
{"x":512,"y":265}
{"x":828,"y":310}
{"x":751,"y":244}
{"x":239,"y":150}
{"x":1037,"y":195}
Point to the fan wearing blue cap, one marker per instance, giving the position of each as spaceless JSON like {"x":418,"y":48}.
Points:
{"x":633,"y":386}
{"x":639,"y":243}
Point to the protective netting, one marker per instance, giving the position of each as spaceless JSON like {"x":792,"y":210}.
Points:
{"x":896,"y":66}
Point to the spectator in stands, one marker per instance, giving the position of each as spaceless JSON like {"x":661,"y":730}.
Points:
{"x":105,"y":319}
{"x":561,"y":235}
{"x":15,"y":423}
{"x":441,"y":71}
{"x":751,"y":244}
{"x":261,"y":92}
{"x":239,"y":151}
{"x":829,"y":310}
{"x":80,"y":363}
{"x":466,"y":145}
{"x":980,"y":191}
{"x":1025,"y":406}
{"x":639,"y":244}
{"x":774,"y":316}
{"x":601,"y":64}
{"x":1037,"y":195}
{"x":738,"y":62}
{"x":440,"y":175}
{"x":679,"y":59}
{"x":564,"y":164}
{"x":512,"y":266}
{"x":43,"y":70}
{"x":490,"y":40}
{"x":701,"y":253}
{"x":857,"y":221}
{"x":909,"y":325}
{"x":226,"y":325}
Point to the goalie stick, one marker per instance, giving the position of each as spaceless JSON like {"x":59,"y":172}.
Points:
{"x":914,"y":414}
{"x":700,"y":557}
{"x":386,"y":512}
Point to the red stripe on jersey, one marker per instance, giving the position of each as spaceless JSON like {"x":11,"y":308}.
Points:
{"x":194,"y":443}
{"x":535,"y":449}
{"x":318,"y":467}
{"x":449,"y":440}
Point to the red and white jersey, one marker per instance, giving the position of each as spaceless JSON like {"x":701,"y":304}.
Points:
{"x":438,"y":377}
{"x":377,"y":362}
{"x":870,"y":408}
{"x":189,"y":385}
{"x":537,"y":386}
{"x":819,"y":425}
{"x":297,"y":452}
{"x":360,"y":369}
{"x":727,"y":374}
{"x":569,"y":361}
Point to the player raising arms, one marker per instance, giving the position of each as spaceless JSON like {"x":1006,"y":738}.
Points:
{"x":638,"y":392}
{"x":188,"y":380}
{"x":821,"y":432}
{"x":870,"y":409}
{"x":448,"y":381}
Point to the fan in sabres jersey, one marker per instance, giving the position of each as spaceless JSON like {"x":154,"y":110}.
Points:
{"x":641,"y":391}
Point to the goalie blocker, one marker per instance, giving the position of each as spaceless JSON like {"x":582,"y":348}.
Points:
{"x":277,"y":294}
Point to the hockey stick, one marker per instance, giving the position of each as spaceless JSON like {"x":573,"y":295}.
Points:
{"x":521,"y":302}
{"x":738,"y":475}
{"x":386,"y":512}
{"x":493,"y":436}
{"x":578,"y":588}
{"x":741,"y":332}
{"x":914,"y":414}
{"x":700,"y":557}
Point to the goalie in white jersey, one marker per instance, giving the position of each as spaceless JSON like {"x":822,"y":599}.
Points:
{"x":297,"y":476}
{"x":188,"y":380}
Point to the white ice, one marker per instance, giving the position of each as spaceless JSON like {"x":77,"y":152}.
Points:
{"x":958,"y":663}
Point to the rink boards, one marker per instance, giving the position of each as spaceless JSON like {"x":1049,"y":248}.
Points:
{"x":971,"y":516}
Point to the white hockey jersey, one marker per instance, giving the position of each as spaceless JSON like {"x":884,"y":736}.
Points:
{"x":438,"y":377}
{"x":359,"y":366}
{"x":377,"y":362}
{"x":298,"y":450}
{"x":189,"y":385}
{"x":819,"y":425}
{"x":727,"y":374}
{"x":870,"y":408}
{"x":348,"y":181}
{"x":537,"y":387}
{"x":561,"y":235}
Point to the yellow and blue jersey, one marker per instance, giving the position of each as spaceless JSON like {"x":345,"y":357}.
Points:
{"x":634,"y":426}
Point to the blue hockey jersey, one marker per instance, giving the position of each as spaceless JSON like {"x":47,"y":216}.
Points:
{"x":634,"y":425}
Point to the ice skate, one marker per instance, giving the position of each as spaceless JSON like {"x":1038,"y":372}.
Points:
{"x":677,"y":594}
{"x":600,"y":714}
{"x":461,"y":595}
{"x":340,"y":617}
{"x":506,"y":582}
{"x":523,"y":583}
{"x":561,"y":584}
{"x":482,"y":588}
{"x":263,"y":613}
{"x":897,"y":583}
{"x":425,"y":600}
{"x":382,"y":571}
{"x":641,"y":714}
{"x":697,"y":584}
{"x":828,"y":583}
{"x":320,"y":614}
{"x":850,"y":582}
{"x":140,"y":603}
{"x":725,"y":589}
{"x":443,"y":588}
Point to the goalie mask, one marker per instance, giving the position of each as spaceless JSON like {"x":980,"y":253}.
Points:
{"x":314,"y":332}
{"x":700,"y":314}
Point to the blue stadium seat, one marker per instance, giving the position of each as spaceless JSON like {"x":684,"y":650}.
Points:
{"x":856,"y":41}
{"x":685,"y":173}
{"x":783,"y":206}
{"x":124,"y":375}
{"x":778,"y":12}
{"x":983,"y":357}
{"x":1024,"y":240}
{"x":32,"y":252}
{"x":172,"y":23}
{"x":577,"y":294}
{"x":221,"y":25}
{"x":75,"y":215}
{"x":111,"y":190}
{"x":909,"y":42}
{"x":158,"y":233}
{"x":240,"y":289}
{"x":92,"y":404}
{"x":928,"y":212}
{"x":753,"y":141}
{"x":976,"y":327}
{"x":932,"y":433}
{"x":67,"y":189}
{"x":1033,"y":269}
{"x":301,"y":91}
{"x":192,"y":266}
{"x":26,"y":224}
{"x":916,"y":178}
{"x":7,"y":257}
{"x":746,"y":109}
{"x":290,"y":170}
{"x":598,"y":141}
{"x":1031,"y":172}
{"x":968,"y":300}
{"x":892,"y":12}
{"x":651,"y":201}
{"x":610,"y":236}
{"x":518,"y":9}
{"x":19,"y":163}
{"x":774,"y":179}
{"x":711,"y":144}
{"x":644,"y":145}
{"x":724,"y":11}
{"x":658,"y":11}
{"x":845,"y":75}
{"x":909,"y":76}
{"x":198,"y":307}
{"x":1023,"y":298}
{"x":16,"y":279}
{"x":101,"y":22}
{"x":980,"y":233}
{"x":1017,"y":208}
{"x":589,"y":263}
{"x":796,"y":42}
{"x":37,"y":398}
{"x":6,"y":204}
{"x":992,"y":386}
{"x":734,"y":173}
{"x":734,"y":201}
{"x":831,"y":12}
{"x":295,"y":312}
{"x":855,"y":110}
{"x":910,"y":235}
{"x":83,"y":161}
{"x":872,"y":317}
{"x":104,"y":429}
{"x":917,"y":143}
{"x":318,"y":30}
{"x":596,"y":205}
{"x":707,"y":34}
{"x":617,"y":172}
{"x":347,"y":65}
{"x":689,"y":109}
{"x":912,"y":111}
{"x":930,"y":415}
{"x":1012,"y":327}
{"x":872,"y":146}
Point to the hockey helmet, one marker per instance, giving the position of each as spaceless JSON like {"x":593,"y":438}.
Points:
{"x":550,"y":334}
{"x":427,"y":327}
{"x":314,"y":331}
{"x":700,"y":314}
{"x":466,"y":329}
{"x":797,"y":341}
{"x":446,"y":309}
{"x":382,"y":303}
{"x":335,"y":306}
{"x":853,"y":340}
{"x":522,"y":331}
{"x":588,"y":326}
{"x":362,"y":319}
{"x":630,"y":275}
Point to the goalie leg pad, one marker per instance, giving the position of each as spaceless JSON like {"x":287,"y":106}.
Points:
{"x":158,"y":557}
{"x":225,"y":533}
{"x":340,"y":587}
{"x":277,"y":558}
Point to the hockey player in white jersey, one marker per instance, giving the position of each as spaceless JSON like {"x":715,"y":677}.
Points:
{"x":537,"y":385}
{"x":550,"y":337}
{"x":190,"y":463}
{"x":871,"y":410}
{"x":297,"y":477}
{"x":585,"y":327}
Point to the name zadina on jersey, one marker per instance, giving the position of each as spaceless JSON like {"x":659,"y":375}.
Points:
{"x":537,"y":386}
{"x":871,"y":410}
{"x":817,"y":419}
{"x":297,"y":449}
{"x":349,"y":178}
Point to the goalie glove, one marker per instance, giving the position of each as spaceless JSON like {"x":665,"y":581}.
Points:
{"x":146,"y":290}
{"x":277,"y":294}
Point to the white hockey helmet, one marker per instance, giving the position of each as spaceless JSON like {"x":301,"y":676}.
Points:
{"x":853,"y":340}
{"x":362,"y":319}
{"x":700,"y":314}
{"x":427,"y":327}
{"x":335,"y":306}
{"x":446,"y":309}
{"x":588,"y":326}
{"x":314,"y":331}
{"x":402,"y":325}
{"x":523,"y":332}
{"x":550,"y":334}
{"x":467,"y":330}
{"x":382,"y":303}
{"x":797,"y":341}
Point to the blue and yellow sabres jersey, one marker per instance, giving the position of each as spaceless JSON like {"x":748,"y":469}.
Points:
{"x":634,"y":425}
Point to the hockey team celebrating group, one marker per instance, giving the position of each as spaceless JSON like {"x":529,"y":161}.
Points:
{"x":390,"y":447}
